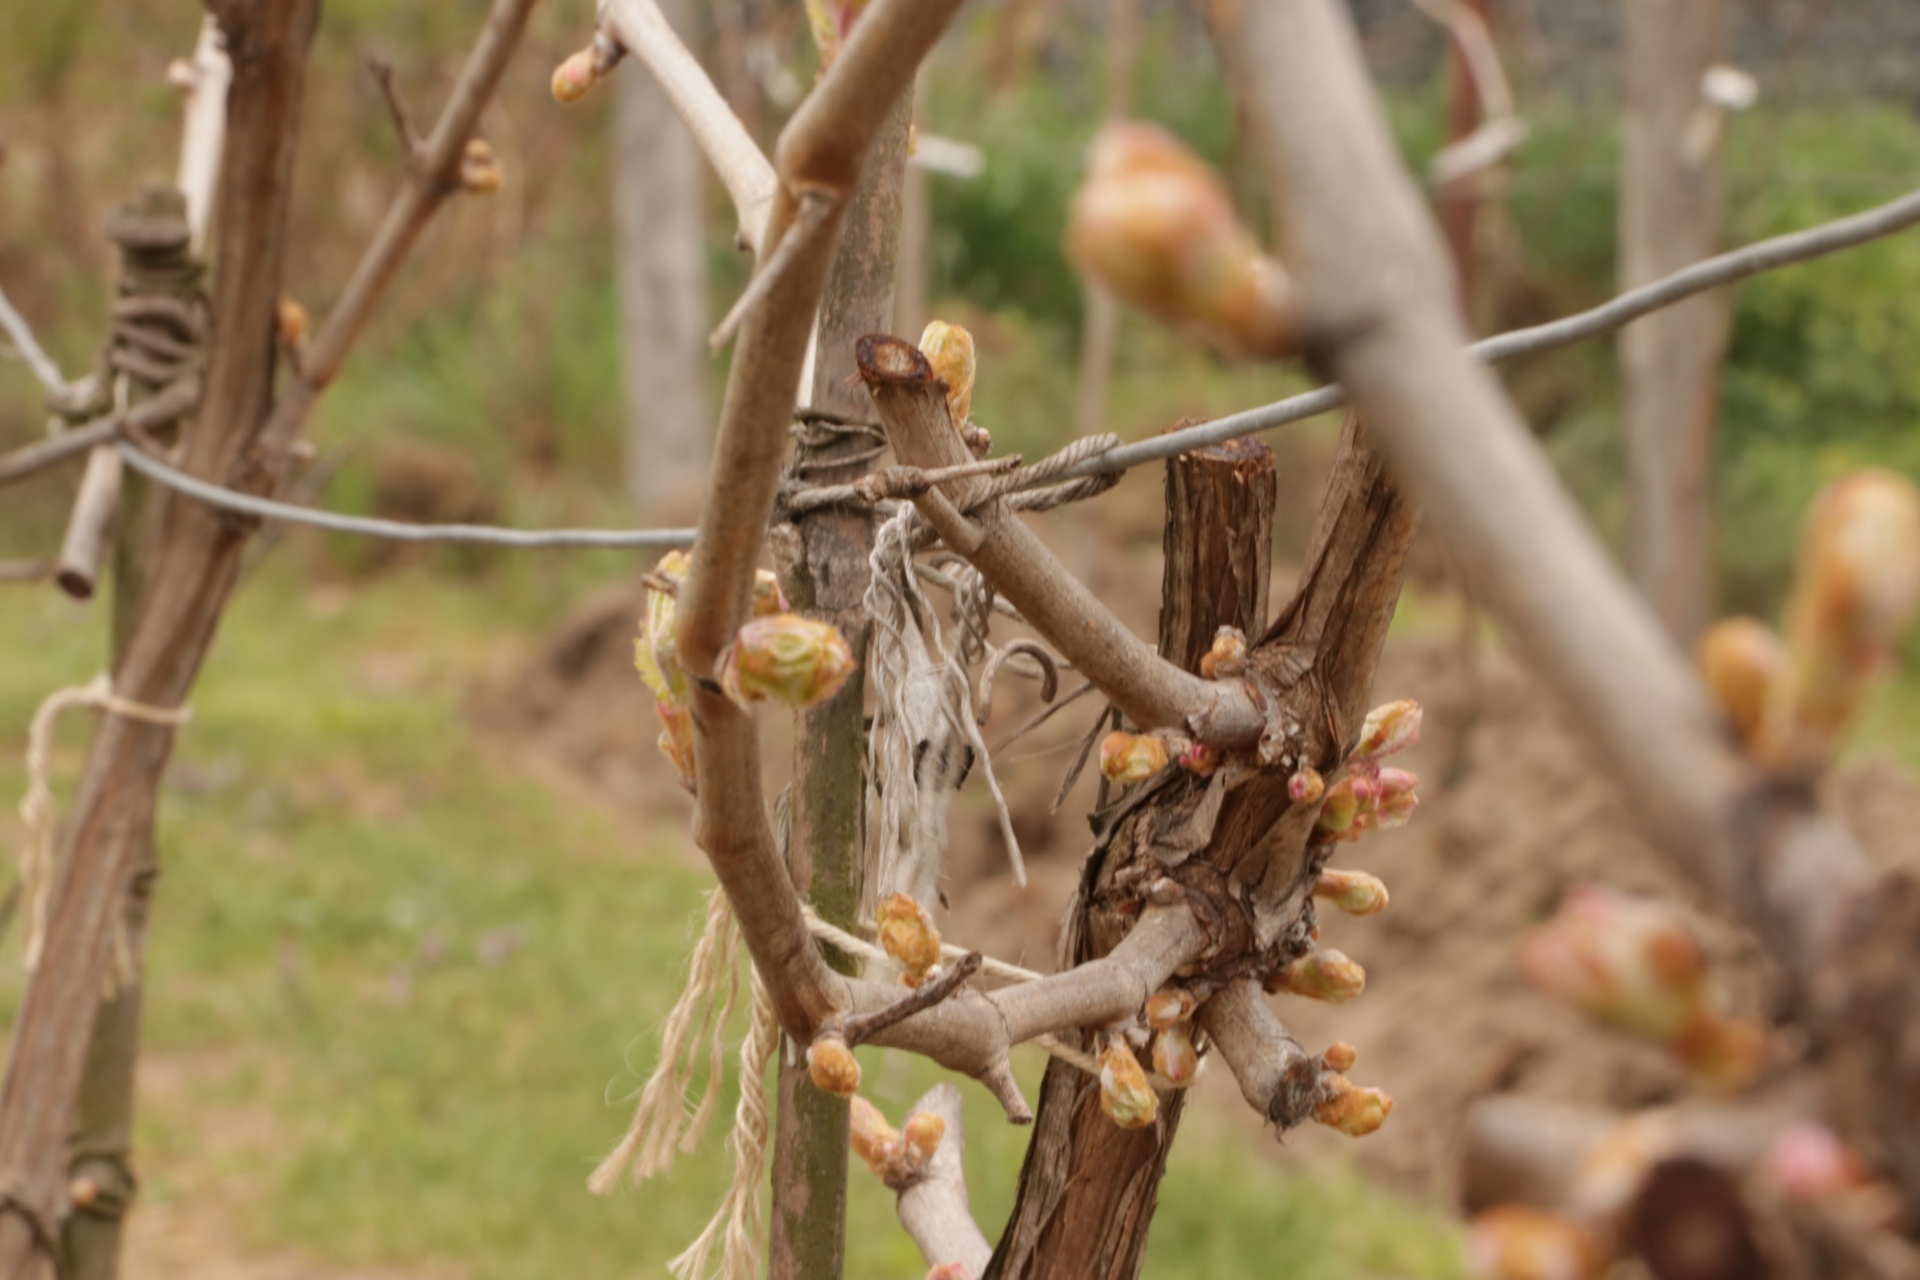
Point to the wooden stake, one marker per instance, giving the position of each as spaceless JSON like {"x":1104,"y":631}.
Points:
{"x":152,"y":233}
{"x":828,"y":579}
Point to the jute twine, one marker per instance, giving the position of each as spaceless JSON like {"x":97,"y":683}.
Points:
{"x":36,"y":807}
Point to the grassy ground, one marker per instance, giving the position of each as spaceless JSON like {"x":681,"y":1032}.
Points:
{"x":403,"y":978}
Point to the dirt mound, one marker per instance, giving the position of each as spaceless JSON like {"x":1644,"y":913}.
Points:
{"x":1512,"y":813}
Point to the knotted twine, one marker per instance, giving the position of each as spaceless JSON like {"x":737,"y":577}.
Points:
{"x":36,"y":807}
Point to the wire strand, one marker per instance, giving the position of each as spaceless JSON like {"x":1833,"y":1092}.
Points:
{"x":396,"y":530}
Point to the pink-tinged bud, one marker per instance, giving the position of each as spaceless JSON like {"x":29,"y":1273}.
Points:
{"x":920,"y":1138}
{"x":907,"y":933}
{"x":653,"y":654}
{"x":1153,"y":223}
{"x":949,"y":349}
{"x":1127,"y":758}
{"x":832,"y":22}
{"x":1520,"y":1242}
{"x":1395,"y":726}
{"x":1327,"y":974}
{"x":1165,"y":1008}
{"x":1856,"y":584}
{"x":950,"y":1271}
{"x":795,"y":661}
{"x":1744,"y":665}
{"x":1340,"y":1056}
{"x":1394,"y":799}
{"x":84,"y":1192}
{"x":1124,"y":1093}
{"x":1174,"y":1056}
{"x":478,"y":171}
{"x":573,"y":78}
{"x":1355,"y":892}
{"x":832,"y":1067}
{"x":1809,"y":1163}
{"x":1200,"y":758}
{"x":1227,"y":657}
{"x":1351,"y":1109}
{"x":1306,"y":786}
{"x":1724,"y":1054}
{"x":1631,"y":963}
{"x":875,"y":1141}
{"x":676,"y":737}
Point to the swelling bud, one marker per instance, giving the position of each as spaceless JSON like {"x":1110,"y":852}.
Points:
{"x":1390,"y":728}
{"x":1174,"y":1056}
{"x":1124,"y":1093}
{"x":1355,"y":892}
{"x":574,"y":78}
{"x":1228,"y":655}
{"x":1127,"y":758}
{"x":795,"y":661}
{"x":949,"y":349}
{"x":1856,"y":583}
{"x":1155,"y":224}
{"x":1353,"y":1110}
{"x":1327,"y":975}
{"x":907,"y":933}
{"x":832,"y":1067}
{"x":1744,"y":666}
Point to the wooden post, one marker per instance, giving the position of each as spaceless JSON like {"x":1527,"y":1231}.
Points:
{"x":152,"y":235}
{"x":1088,"y":1187}
{"x":827,"y":578}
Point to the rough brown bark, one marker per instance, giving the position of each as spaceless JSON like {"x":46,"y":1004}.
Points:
{"x":827,"y":578}
{"x":153,"y":236}
{"x":1670,"y":215}
{"x":194,"y":567}
{"x":661,"y":251}
{"x":1088,"y":1188}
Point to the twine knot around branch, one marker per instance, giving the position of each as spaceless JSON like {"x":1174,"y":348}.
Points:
{"x":36,"y":807}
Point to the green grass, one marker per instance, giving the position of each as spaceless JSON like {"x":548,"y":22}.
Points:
{"x":339,"y":842}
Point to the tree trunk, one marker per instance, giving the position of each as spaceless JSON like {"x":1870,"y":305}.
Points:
{"x":827,"y":578}
{"x":657,"y":185}
{"x":1670,"y":212}
{"x":1088,"y":1187}
{"x":194,"y":564}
